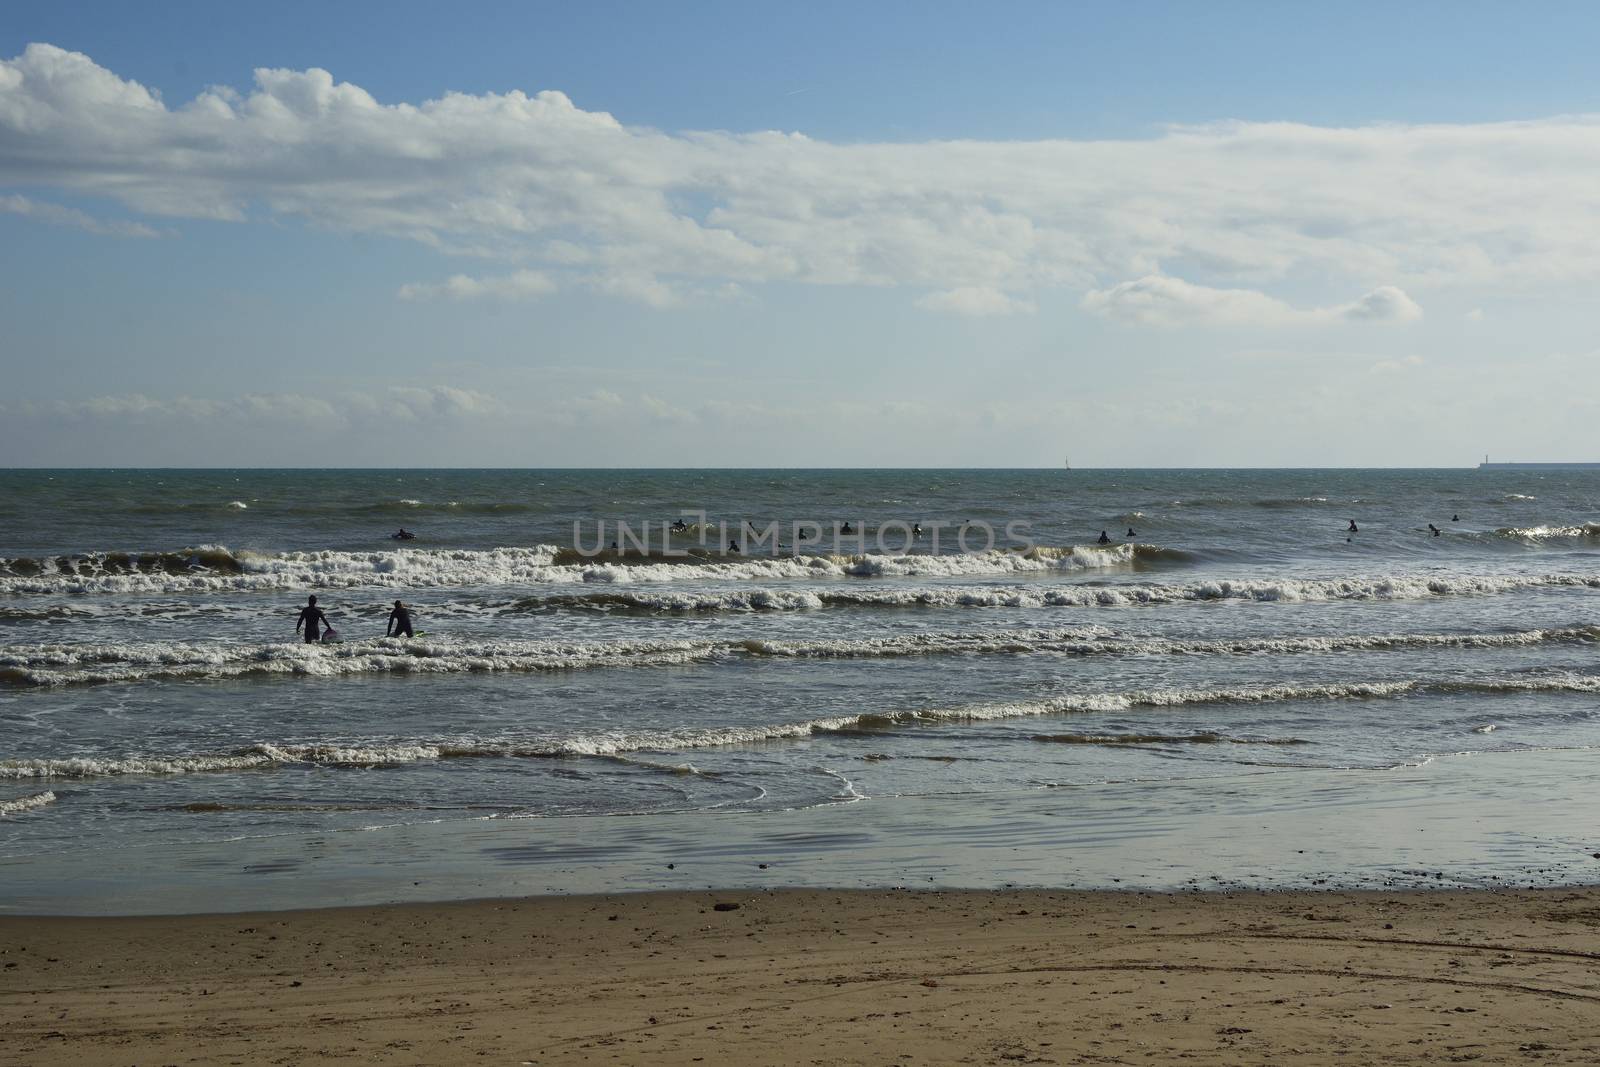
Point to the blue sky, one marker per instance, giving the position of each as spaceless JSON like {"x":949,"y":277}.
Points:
{"x":920,"y":234}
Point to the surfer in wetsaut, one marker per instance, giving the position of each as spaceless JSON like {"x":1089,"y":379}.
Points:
{"x":399,"y":622}
{"x":1105,"y":538}
{"x":312,"y":621}
{"x":1352,"y":528}
{"x":403,"y":535}
{"x":1131,"y":533}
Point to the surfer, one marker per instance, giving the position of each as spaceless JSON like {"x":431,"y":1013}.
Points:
{"x":916,"y":530}
{"x":1455,"y":518}
{"x":312,"y":620}
{"x":1353,"y":528}
{"x":403,"y":535}
{"x":733,"y":546}
{"x":679,"y":526}
{"x":1105,"y":538}
{"x":1131,"y":533}
{"x":399,"y":622}
{"x":847,"y":528}
{"x":1434,"y":529}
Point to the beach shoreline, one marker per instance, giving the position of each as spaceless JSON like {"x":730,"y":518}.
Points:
{"x":823,"y":976}
{"x":1501,"y":820}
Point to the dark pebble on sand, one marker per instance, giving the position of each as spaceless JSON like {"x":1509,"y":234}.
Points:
{"x":726,"y":905}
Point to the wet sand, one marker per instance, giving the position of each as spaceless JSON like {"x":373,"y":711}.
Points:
{"x":823,"y":977}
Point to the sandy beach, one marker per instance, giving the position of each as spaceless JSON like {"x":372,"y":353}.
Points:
{"x":822,"y":977}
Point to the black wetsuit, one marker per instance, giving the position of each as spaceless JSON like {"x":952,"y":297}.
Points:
{"x":310,"y":618}
{"x":400,"y":623}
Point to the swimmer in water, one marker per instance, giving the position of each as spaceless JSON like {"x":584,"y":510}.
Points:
{"x":1105,"y":538}
{"x":1353,"y":528}
{"x":1455,"y":518}
{"x":847,"y":528}
{"x":733,"y":546}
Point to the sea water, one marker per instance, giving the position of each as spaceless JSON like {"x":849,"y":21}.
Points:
{"x":153,"y":692}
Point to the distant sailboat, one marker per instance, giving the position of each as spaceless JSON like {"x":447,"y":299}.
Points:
{"x":1068,"y":462}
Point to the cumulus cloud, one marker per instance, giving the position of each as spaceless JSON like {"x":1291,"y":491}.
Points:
{"x":1392,"y":366}
{"x":1383,"y":304}
{"x":654,"y":216}
{"x":1165,"y":301}
{"x":521,"y":284}
{"x":975,"y":300}
{"x":411,"y":404}
{"x":61,"y":215}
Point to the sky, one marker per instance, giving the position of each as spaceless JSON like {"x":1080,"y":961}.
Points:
{"x":822,"y":235}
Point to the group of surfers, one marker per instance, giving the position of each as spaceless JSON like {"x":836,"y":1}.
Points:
{"x":314,"y":624}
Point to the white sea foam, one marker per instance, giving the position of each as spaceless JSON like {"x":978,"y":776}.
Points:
{"x":18,"y":805}
{"x":48,"y":665}
{"x":238,"y":505}
{"x":1071,"y":596}
{"x":213,"y":568}
{"x":611,"y":743}
{"x":56,"y":665}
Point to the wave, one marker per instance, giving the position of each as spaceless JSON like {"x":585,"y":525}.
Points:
{"x":1066,"y":596}
{"x":59,"y":665}
{"x":215,"y":568}
{"x":207,"y":559}
{"x":54,"y":665}
{"x":1539,"y":535}
{"x":1163,"y":739}
{"x":18,"y":805}
{"x":611,"y":743}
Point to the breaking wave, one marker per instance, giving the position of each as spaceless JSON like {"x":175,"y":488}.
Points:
{"x":1539,"y":535}
{"x":1163,"y":739}
{"x":611,"y":743}
{"x":18,"y":805}
{"x":58,"y":665}
{"x":215,"y":568}
{"x":1039,"y":596}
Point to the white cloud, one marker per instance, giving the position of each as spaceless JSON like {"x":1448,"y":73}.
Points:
{"x":652,"y":216}
{"x":60,"y":215}
{"x":521,"y":284}
{"x":1383,"y":304}
{"x":975,"y":300}
{"x":406,"y":403}
{"x":1160,"y":300}
{"x":1392,"y":366}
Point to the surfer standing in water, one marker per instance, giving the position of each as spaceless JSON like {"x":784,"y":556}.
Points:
{"x":399,"y":622}
{"x":312,"y":620}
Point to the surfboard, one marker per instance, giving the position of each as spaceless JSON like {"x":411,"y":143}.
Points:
{"x":331,"y":637}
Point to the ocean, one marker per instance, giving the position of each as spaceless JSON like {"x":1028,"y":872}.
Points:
{"x":155,"y":700}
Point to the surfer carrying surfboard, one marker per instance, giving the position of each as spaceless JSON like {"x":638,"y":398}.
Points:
{"x":399,"y":622}
{"x":312,"y":620}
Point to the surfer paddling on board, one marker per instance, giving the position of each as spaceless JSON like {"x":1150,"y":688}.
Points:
{"x":312,"y":620}
{"x":399,"y":622}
